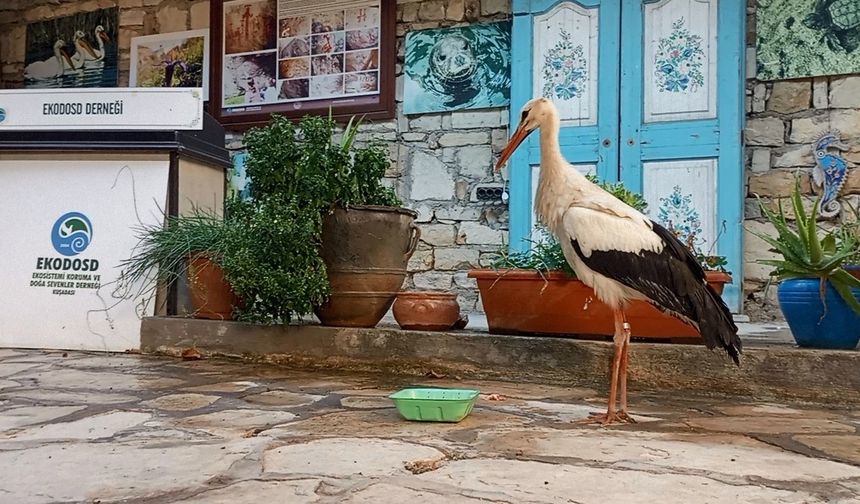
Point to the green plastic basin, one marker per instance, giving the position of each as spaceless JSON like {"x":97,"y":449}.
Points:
{"x":434,"y":404}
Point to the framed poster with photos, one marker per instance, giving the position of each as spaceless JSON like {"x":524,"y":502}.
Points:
{"x":299,"y":57}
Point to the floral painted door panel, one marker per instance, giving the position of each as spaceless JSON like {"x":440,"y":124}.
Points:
{"x":681,"y":121}
{"x":649,"y":92}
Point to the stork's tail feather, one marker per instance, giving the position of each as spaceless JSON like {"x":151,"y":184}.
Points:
{"x":716,"y":323}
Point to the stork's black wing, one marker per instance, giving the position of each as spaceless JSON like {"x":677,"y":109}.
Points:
{"x":673,"y":281}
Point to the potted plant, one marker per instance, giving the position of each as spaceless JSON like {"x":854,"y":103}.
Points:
{"x":365,"y":238}
{"x":537,"y":292}
{"x":190,"y":247}
{"x":817,"y":296}
{"x":259,"y":263}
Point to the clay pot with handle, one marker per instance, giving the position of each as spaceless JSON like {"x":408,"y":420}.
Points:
{"x":365,"y":250}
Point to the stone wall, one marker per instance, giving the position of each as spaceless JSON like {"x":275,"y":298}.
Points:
{"x":438,"y":160}
{"x":784,"y":118}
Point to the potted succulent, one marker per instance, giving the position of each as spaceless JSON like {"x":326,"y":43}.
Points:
{"x":365,"y":238}
{"x":537,"y":292}
{"x":817,"y":296}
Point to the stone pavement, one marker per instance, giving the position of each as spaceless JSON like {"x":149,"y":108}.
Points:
{"x":78,"y":427}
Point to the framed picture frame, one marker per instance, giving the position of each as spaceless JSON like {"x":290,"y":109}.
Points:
{"x":74,"y":51}
{"x":298,"y":58}
{"x":179,"y":59}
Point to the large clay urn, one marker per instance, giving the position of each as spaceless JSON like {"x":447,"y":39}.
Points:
{"x":366,"y":250}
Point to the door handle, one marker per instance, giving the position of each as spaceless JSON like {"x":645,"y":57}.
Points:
{"x":631,"y":142}
{"x":606,"y":142}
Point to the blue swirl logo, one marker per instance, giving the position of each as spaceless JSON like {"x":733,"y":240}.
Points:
{"x":72,"y":234}
{"x":2,"y":114}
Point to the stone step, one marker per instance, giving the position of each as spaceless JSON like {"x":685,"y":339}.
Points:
{"x":767,"y":372}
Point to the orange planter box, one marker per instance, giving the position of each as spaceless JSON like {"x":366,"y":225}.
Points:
{"x":524,"y":302}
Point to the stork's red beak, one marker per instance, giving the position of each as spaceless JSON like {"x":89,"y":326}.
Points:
{"x":104,"y":36}
{"x":519,"y":135}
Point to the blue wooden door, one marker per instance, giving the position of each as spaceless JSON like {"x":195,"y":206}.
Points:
{"x":682,"y":89}
{"x":569,"y":52}
{"x":669,"y":110}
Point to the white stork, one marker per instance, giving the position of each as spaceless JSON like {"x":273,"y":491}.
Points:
{"x":619,"y":252}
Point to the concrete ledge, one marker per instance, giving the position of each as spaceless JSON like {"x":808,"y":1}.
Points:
{"x":766,"y":372}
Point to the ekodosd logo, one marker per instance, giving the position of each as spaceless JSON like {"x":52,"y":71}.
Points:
{"x":72,"y":234}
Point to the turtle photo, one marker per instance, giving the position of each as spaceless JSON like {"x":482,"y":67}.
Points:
{"x":839,"y":20}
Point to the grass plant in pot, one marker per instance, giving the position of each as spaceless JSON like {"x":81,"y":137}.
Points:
{"x":536,"y":292}
{"x":365,"y":238}
{"x":817,"y":296}
{"x":192,"y":246}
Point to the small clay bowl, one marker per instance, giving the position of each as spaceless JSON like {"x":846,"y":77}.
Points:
{"x":426,"y":311}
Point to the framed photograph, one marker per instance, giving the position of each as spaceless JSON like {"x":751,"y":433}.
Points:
{"x":178,"y":59}
{"x":807,"y":38}
{"x":460,"y":68}
{"x":73,"y":51}
{"x":297,"y":58}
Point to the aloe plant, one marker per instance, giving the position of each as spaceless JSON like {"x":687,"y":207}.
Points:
{"x":805,"y":254}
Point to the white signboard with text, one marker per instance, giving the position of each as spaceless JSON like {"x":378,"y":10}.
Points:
{"x":69,"y":224}
{"x":163,"y":109}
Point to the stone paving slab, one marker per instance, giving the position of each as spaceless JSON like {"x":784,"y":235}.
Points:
{"x":774,"y":372}
{"x":131,"y":428}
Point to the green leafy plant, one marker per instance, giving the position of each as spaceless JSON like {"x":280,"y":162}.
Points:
{"x":805,"y":254}
{"x":546,"y":255}
{"x":297,"y":173}
{"x":712,"y":262}
{"x":304,"y":163}
{"x":271,"y":259}
{"x":268,"y":245}
{"x":618,"y":190}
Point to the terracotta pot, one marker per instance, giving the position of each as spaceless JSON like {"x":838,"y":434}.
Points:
{"x":365,"y":250}
{"x":426,"y":311}
{"x":211,"y":295}
{"x":718,"y":280}
{"x":524,"y":302}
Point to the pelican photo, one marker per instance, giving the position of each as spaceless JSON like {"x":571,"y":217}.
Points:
{"x":72,"y":51}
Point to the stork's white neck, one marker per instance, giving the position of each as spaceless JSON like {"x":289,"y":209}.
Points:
{"x":559,"y":183}
{"x":550,"y":151}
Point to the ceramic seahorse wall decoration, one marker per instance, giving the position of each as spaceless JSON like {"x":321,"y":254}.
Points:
{"x":830,"y":172}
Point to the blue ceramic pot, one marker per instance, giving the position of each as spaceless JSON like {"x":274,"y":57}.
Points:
{"x":800,"y":301}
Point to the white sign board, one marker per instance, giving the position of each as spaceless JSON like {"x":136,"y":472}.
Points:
{"x":72,"y":222}
{"x":101,"y":109}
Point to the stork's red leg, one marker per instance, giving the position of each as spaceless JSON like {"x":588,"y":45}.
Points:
{"x":611,"y":416}
{"x":623,"y":414}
